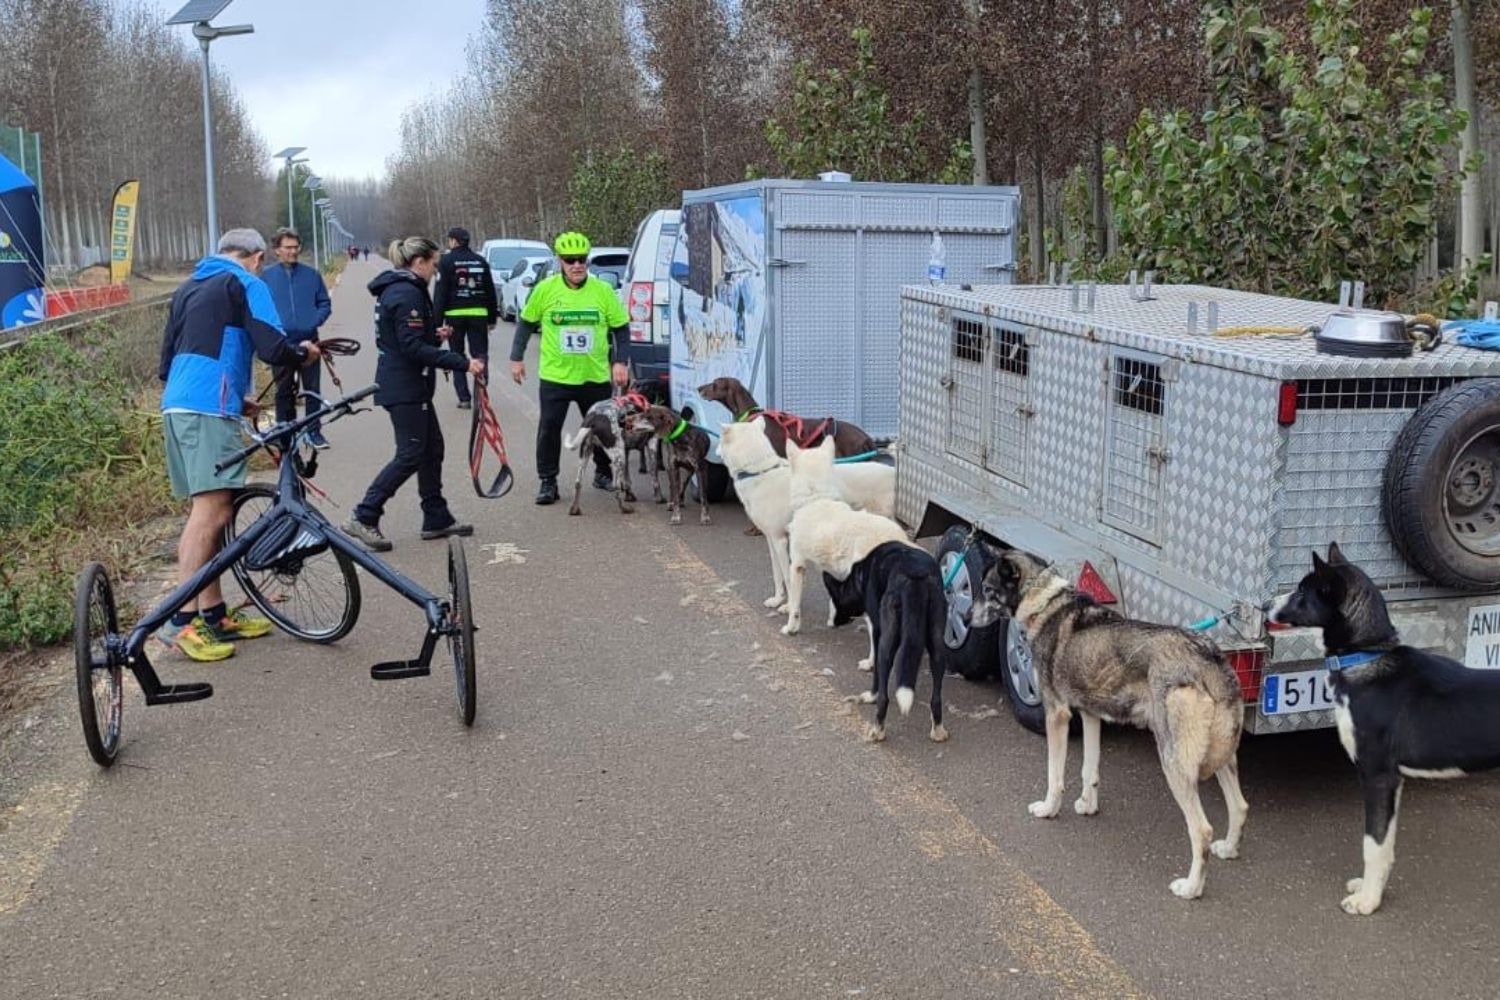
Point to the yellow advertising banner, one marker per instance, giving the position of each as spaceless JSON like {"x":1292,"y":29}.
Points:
{"x":122,"y":231}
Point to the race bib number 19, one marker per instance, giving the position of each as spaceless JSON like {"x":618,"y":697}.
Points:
{"x":576,"y":339}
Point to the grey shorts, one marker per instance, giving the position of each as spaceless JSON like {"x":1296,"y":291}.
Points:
{"x":196,"y":442}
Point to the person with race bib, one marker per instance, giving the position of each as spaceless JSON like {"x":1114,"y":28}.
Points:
{"x":585,"y":330}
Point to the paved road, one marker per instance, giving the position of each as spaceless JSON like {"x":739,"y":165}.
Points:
{"x":662,"y":797}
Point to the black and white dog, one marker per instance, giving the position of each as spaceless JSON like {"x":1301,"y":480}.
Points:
{"x":1401,"y":712}
{"x":899,"y":590}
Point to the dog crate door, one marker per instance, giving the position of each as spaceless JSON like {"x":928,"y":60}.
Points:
{"x":1008,"y":428}
{"x":967,"y":434}
{"x":1135,"y":443}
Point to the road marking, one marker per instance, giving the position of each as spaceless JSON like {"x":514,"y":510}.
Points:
{"x":1028,"y":922}
{"x":506,"y":552}
{"x":32,"y":831}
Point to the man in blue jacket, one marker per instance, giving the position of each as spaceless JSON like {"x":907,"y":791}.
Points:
{"x":302,"y":303}
{"x":221,"y":318}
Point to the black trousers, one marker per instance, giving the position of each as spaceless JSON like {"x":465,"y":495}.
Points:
{"x":419,"y":450}
{"x":288,"y":378}
{"x":475,"y":332}
{"x":554,"y":399}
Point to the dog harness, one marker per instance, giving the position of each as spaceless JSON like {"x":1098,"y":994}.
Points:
{"x":1348,"y":661}
{"x":484,"y":433}
{"x":795,"y":428}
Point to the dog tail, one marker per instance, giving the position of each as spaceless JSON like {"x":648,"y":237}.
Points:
{"x":911,"y":615}
{"x":571,"y":443}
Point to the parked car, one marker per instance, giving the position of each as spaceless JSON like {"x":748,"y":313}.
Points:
{"x":644,"y":289}
{"x":503,"y":254}
{"x":516,"y":284}
{"x":609,"y":263}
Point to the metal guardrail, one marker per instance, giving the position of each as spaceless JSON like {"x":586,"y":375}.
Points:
{"x":77,"y":320}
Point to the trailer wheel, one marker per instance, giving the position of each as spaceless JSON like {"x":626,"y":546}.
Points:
{"x":1019,"y":674}
{"x":972,"y":652}
{"x":1441,"y":497}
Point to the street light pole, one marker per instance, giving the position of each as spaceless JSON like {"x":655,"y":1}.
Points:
{"x":198,"y":13}
{"x":290,"y":156}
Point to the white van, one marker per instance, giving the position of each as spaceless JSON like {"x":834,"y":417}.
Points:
{"x":646,"y":295}
{"x":503,"y":254}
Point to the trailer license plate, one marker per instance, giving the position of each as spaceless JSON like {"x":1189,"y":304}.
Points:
{"x":1299,"y":691}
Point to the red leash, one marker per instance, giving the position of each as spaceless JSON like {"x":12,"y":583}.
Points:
{"x":484,"y":433}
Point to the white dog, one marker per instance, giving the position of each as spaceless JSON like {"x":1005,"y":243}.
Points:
{"x":762,"y":481}
{"x":825,"y":531}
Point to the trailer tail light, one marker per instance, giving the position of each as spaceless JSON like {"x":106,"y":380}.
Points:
{"x":1247,"y":665}
{"x":1092,"y":584}
{"x":1286,"y":404}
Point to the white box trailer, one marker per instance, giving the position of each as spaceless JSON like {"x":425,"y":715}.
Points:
{"x":794,"y":287}
{"x":1186,"y":476}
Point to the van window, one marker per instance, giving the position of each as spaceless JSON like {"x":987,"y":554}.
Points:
{"x":664,"y":243}
{"x":504,"y":258}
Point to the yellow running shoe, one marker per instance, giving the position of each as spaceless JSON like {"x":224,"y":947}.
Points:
{"x":195,"y":642}
{"x":239,"y":624}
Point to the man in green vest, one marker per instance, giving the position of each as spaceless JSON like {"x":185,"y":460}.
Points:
{"x":584,"y":331}
{"x":464,"y":301}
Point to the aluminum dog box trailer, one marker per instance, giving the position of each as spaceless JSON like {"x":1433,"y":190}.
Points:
{"x":793,"y":287}
{"x":1186,"y":475}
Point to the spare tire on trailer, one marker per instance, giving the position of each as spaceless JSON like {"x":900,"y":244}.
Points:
{"x":1441,"y":498}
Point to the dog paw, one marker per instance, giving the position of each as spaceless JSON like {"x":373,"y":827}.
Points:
{"x":704,"y":520}
{"x":1354,"y":885}
{"x":1087,"y":804}
{"x":938,"y":734}
{"x":775,"y":601}
{"x":574,"y":512}
{"x":1044,"y":809}
{"x":865,"y":697}
{"x":866,"y":664}
{"x":874,"y":734}
{"x":791,"y":628}
{"x":1224,"y":850}
{"x":1186,"y":888}
{"x":1359,"y":904}
{"x":675,"y":519}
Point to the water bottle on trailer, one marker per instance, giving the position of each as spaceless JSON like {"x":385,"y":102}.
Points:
{"x":937,"y":268}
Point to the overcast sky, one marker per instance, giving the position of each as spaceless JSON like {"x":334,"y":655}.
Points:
{"x":335,"y":75}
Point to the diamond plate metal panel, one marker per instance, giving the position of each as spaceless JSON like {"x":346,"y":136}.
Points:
{"x":1242,"y":499}
{"x":816,"y":375}
{"x":895,"y":210}
{"x":885,"y":260}
{"x":1010,"y":414}
{"x":987,"y":213}
{"x":815,"y":208}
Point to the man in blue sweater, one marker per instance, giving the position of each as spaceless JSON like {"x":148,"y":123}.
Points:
{"x":302,"y":303}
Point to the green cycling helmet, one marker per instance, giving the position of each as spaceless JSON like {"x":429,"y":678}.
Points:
{"x":571,"y":245}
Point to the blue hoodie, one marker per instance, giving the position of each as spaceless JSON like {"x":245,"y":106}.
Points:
{"x":218,"y":316}
{"x":301,"y":299}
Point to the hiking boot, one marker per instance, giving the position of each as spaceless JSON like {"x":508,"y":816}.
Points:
{"x":318,"y":441}
{"x":547,"y":493}
{"x":367,"y":533}
{"x":193,"y":641}
{"x":464,"y":404}
{"x":462,"y":530}
{"x":604,"y":481}
{"x":234,"y":626}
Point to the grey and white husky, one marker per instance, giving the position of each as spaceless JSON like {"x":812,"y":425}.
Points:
{"x":1105,"y":666}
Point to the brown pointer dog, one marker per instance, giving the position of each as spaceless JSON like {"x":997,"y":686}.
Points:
{"x":848,"y":439}
{"x":686,"y":448}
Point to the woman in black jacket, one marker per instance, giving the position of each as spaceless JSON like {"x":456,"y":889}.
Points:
{"x":410,"y":352}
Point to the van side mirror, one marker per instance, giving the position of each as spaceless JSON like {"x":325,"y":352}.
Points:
{"x":680,"y":271}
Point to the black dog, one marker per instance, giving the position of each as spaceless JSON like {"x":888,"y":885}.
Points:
{"x":899,"y":590}
{"x":1401,"y":712}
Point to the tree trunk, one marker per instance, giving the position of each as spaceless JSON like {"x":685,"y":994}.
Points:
{"x":1470,"y":199}
{"x":1038,"y":244}
{"x":978,"y":140}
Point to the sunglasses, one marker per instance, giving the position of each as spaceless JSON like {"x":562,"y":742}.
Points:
{"x":574,"y":260}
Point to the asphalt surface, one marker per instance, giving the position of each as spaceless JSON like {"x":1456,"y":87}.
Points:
{"x":663,"y":797}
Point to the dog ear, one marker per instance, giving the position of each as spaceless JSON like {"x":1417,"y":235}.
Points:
{"x":827,"y":446}
{"x":1319,"y":566}
{"x":1335,"y":556}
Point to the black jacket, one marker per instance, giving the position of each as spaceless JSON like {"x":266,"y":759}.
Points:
{"x":464,"y":285}
{"x":406,"y":336}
